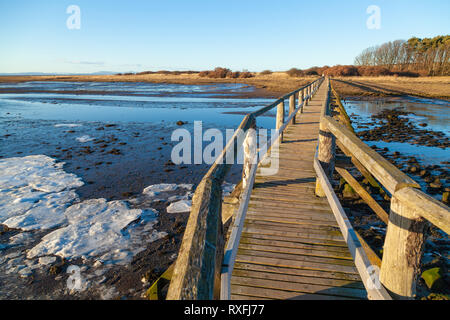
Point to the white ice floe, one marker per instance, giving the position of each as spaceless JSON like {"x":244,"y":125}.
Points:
{"x":47,"y":260}
{"x":180,"y":206}
{"x":98,"y":228}
{"x":34,"y":192}
{"x":67,"y":125}
{"x":158,"y":188}
{"x":84,"y":139}
{"x":40,"y":172}
{"x":47,"y":213}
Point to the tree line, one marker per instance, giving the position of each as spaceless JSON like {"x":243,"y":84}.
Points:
{"x":427,"y":57}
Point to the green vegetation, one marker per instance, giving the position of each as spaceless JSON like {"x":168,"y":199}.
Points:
{"x":425,"y":57}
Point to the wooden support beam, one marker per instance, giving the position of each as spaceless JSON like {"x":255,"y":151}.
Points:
{"x":364,"y":195}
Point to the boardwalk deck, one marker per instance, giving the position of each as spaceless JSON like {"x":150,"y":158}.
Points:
{"x":291,"y":245}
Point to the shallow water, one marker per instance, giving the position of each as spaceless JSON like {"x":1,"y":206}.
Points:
{"x":131,"y":88}
{"x":160,"y":103}
{"x":435,"y":113}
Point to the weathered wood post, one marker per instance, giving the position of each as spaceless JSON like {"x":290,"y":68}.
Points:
{"x":307,"y":96}
{"x":292,"y":107}
{"x":198,"y":265}
{"x":301,"y":100}
{"x":250,"y":147}
{"x":280,"y":118}
{"x":403,"y":246}
{"x":327,"y":146}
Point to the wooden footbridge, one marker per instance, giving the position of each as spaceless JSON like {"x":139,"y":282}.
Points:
{"x":288,"y":236}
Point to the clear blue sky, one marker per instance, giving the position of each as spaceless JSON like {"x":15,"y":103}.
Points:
{"x":137,"y":35}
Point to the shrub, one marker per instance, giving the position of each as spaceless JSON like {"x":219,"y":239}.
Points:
{"x":219,"y":73}
{"x":342,"y":71}
{"x":266,"y":73}
{"x":406,"y":74}
{"x":145,"y":72}
{"x":245,"y":75}
{"x":294,"y":72}
{"x":373,"y":71}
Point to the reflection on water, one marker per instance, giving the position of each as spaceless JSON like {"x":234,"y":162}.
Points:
{"x":130,"y":88}
{"x":161,"y":103}
{"x":435,"y":113}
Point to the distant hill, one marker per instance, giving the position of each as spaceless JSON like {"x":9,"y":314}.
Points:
{"x":99,"y":73}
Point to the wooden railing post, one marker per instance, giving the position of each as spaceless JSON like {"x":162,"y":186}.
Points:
{"x":327,"y":147}
{"x":249,"y":153}
{"x":197,"y":268}
{"x":292,"y":107}
{"x":280,"y":118}
{"x":403,"y":249}
{"x":302,"y":99}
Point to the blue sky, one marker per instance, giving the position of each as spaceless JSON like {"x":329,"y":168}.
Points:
{"x":134,"y":35}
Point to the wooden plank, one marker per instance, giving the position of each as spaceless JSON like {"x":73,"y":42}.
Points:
{"x":301,"y":250}
{"x":338,"y":251}
{"x":295,"y":239}
{"x":294,"y":232}
{"x":344,"y":262}
{"x":300,"y":287}
{"x":248,"y":297}
{"x":299,"y":264}
{"x":299,"y":272}
{"x":299,"y":279}
{"x":281,"y":294}
{"x":327,"y":229}
{"x":288,"y":220}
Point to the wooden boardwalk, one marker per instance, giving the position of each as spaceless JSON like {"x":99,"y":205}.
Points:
{"x":291,"y":245}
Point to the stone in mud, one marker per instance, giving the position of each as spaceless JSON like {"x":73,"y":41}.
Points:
{"x":413,"y":169}
{"x":428,"y":179}
{"x":433,"y":278}
{"x":435,"y":185}
{"x":445,"y":196}
{"x":424,"y":173}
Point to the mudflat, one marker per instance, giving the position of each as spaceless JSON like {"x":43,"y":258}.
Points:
{"x":274,"y":85}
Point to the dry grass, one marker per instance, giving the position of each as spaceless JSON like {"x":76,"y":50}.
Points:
{"x":432,"y":87}
{"x":277,"y":84}
{"x":268,"y":85}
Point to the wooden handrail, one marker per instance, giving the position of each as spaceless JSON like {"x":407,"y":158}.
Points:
{"x":196,"y":274}
{"x":410,"y":207}
{"x":384,"y":171}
